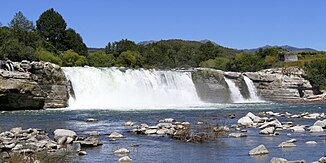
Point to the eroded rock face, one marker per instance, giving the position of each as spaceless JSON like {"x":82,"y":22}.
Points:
{"x":279,"y":84}
{"x":34,"y":85}
{"x":210,"y":85}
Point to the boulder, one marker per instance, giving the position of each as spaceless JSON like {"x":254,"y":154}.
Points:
{"x":82,"y":153}
{"x":260,"y":150}
{"x":322,"y":159}
{"x":129,"y":123}
{"x":167,"y":120}
{"x":64,"y":133}
{"x":268,"y":131}
{"x":237,"y":135}
{"x":245,"y":121}
{"x":115,"y":135}
{"x":150,"y":131}
{"x":297,"y":129}
{"x":286,"y":145}
{"x":90,"y":142}
{"x":316,"y":129}
{"x":91,"y":120}
{"x":253,"y":117}
{"x":121,"y":151}
{"x":321,"y":123}
{"x":311,"y":142}
{"x":125,"y":159}
{"x":278,"y":160}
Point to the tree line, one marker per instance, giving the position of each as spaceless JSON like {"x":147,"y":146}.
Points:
{"x":50,"y":40}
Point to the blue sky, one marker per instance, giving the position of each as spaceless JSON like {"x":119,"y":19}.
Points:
{"x":233,"y":23}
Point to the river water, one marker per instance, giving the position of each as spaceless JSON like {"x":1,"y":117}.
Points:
{"x":163,"y":149}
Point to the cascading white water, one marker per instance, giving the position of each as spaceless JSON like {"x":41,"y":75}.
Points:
{"x":112,"y":88}
{"x":235,"y":93}
{"x":252,"y":90}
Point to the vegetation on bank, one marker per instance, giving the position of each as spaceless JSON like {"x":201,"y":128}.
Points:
{"x":51,"y":40}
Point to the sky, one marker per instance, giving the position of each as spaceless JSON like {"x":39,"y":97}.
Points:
{"x":240,"y":24}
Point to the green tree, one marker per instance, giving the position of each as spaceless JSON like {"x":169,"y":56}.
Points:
{"x":123,"y":45}
{"x":75,"y":42}
{"x":243,"y":62}
{"x":23,"y":30}
{"x":69,"y":58}
{"x":100,"y":59}
{"x":16,"y":51}
{"x":81,"y":61}
{"x":217,"y":63}
{"x":316,"y":74}
{"x":21,"y":23}
{"x":51,"y":26}
{"x":47,"y":56}
{"x":208,"y":51}
{"x":130,"y":59}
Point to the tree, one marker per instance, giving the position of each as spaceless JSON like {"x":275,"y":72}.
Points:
{"x":51,"y":26}
{"x":316,"y":74}
{"x":16,"y":51}
{"x":75,"y":42}
{"x":21,"y":23}
{"x":71,"y":58}
{"x":217,"y":63}
{"x":208,"y":51}
{"x":48,"y":56}
{"x":0,"y":24}
{"x":130,"y":59}
{"x":101,"y":59}
{"x":123,"y":45}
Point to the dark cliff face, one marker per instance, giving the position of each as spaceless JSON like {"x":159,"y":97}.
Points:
{"x":211,"y":86}
{"x":33,"y":85}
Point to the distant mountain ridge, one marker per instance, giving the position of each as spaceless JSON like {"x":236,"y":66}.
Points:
{"x":286,"y":47}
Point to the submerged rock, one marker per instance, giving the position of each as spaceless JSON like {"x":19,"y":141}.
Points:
{"x":260,"y":150}
{"x":286,"y":145}
{"x":129,"y":123}
{"x":121,"y":151}
{"x":125,"y":159}
{"x":91,"y":120}
{"x":115,"y":135}
{"x":237,"y":135}
{"x":82,"y":153}
{"x":278,"y":160}
{"x":311,"y":142}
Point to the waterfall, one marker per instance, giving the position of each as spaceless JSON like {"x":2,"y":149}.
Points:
{"x":108,"y":88}
{"x":252,"y":90}
{"x":235,"y":93}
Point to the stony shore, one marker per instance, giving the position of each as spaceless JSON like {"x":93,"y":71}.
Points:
{"x":32,"y":141}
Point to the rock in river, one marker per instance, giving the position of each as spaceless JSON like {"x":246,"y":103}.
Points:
{"x":260,"y":150}
{"x":125,"y":159}
{"x":58,"y":133}
{"x":115,"y":135}
{"x":236,"y":135}
{"x":245,"y":121}
{"x":121,"y":151}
